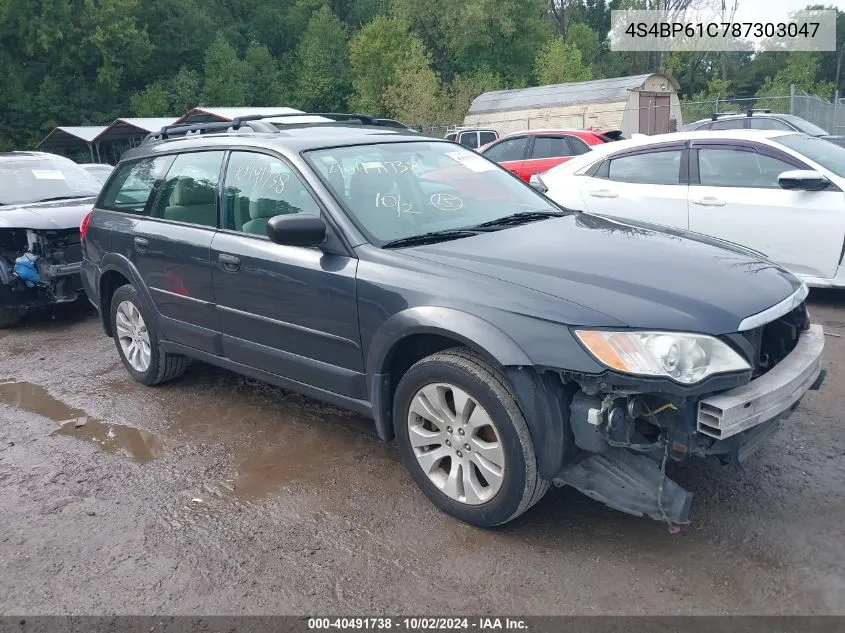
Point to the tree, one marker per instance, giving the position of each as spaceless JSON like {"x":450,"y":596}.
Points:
{"x":585,"y":40}
{"x":322,"y":62}
{"x":559,"y":62}
{"x":375,"y":55}
{"x":463,"y":90}
{"x":224,"y":75}
{"x":415,"y":96}
{"x":264,"y":87}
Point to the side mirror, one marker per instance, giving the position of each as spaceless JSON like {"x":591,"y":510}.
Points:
{"x":296,"y":229}
{"x":803,"y":180}
{"x":537,"y":182}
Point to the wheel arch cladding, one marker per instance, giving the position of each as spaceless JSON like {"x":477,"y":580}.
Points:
{"x":413,"y":334}
{"x":118,"y":271}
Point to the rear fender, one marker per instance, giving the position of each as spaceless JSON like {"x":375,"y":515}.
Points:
{"x":120,"y":264}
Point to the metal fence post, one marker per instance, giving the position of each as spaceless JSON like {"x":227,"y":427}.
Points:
{"x":792,"y":99}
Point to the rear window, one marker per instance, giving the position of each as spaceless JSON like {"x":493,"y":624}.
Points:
{"x":129,"y":189}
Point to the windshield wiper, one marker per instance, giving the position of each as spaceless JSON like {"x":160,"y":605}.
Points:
{"x":519,"y":218}
{"x":430,"y":238}
{"x":54,"y":198}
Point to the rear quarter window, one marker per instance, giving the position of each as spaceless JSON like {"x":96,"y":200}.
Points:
{"x":129,"y":188}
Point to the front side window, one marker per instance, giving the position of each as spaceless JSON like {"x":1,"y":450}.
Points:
{"x":764,"y":123}
{"x":551,"y":147}
{"x":653,"y":168}
{"x":737,"y":168}
{"x":259,"y":187}
{"x":509,"y":149}
{"x":132,"y":185}
{"x":189,"y":191}
{"x":31,"y":179}
{"x":397,"y":190}
{"x":829,"y":155}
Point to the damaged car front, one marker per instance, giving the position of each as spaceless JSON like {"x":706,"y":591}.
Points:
{"x":43,"y":198}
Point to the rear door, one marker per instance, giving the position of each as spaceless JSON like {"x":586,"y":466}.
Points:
{"x":509,"y":153}
{"x":646,"y":184}
{"x":171,"y":249}
{"x":549,"y":150}
{"x":734,"y":195}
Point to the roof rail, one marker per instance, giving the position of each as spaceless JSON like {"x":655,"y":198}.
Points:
{"x":255,"y":123}
{"x":716,"y":115}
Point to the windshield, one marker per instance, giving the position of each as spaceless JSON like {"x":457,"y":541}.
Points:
{"x":804,"y":126}
{"x":818,"y":150}
{"x":399,"y":190}
{"x":35,"y":179}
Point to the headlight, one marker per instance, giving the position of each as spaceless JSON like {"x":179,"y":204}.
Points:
{"x":686,"y":358}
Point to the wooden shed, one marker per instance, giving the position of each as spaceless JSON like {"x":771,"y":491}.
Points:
{"x":644,"y":104}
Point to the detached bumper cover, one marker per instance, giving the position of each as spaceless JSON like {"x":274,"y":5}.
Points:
{"x":765,"y":398}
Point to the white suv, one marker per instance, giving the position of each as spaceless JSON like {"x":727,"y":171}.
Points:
{"x":780,"y":193}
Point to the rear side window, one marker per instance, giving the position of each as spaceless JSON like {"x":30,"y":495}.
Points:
{"x":653,"y":168}
{"x":469,"y":139}
{"x":551,"y":147}
{"x":729,"y":124}
{"x":189,"y":192}
{"x":130,"y":188}
{"x":509,"y":149}
{"x":486,"y":137}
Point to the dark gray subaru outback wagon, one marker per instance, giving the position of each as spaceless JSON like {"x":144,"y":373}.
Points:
{"x":506,"y":343}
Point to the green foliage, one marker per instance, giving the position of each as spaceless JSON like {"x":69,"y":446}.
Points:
{"x":77,"y":62}
{"x":560,"y":62}
{"x":323,"y":64}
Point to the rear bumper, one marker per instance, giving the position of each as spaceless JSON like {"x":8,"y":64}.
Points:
{"x":731,"y":412}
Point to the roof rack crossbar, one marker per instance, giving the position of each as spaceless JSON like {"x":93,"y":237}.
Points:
{"x":753,"y":111}
{"x":364,"y":118}
{"x":716,"y":115}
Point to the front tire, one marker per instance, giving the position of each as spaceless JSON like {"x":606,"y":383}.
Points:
{"x":138,"y":342}
{"x":464,"y":439}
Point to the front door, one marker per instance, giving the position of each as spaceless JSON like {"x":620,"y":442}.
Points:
{"x":509,"y":153}
{"x":738,"y":198}
{"x":288,"y":310}
{"x":172,"y":250}
{"x":548,"y":151}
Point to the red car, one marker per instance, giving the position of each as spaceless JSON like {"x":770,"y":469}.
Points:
{"x":536,"y":151}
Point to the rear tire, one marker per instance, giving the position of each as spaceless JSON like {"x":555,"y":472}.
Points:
{"x":9,"y":317}
{"x":138,"y":343}
{"x":467,"y":401}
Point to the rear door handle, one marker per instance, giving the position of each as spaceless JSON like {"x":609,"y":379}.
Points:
{"x":603,"y":193}
{"x":229,"y":263}
{"x":142,"y":244}
{"x":709,"y":201}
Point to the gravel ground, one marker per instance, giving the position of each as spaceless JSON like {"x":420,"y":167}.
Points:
{"x":216,"y":494}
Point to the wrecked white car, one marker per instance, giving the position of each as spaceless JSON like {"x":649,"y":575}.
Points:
{"x":43,"y":198}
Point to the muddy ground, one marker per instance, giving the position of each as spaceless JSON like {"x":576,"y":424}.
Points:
{"x":217,"y":494}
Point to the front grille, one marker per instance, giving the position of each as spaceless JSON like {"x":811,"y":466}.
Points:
{"x":774,"y":341}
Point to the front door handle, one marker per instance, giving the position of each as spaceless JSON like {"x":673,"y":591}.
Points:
{"x":603,"y":193}
{"x":142,"y":244}
{"x":709,"y":201}
{"x":229,"y":263}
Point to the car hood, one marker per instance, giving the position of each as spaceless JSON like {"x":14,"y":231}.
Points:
{"x":639,"y":276}
{"x":57,"y":214}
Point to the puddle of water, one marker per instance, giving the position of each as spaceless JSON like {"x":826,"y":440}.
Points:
{"x":112,"y":438}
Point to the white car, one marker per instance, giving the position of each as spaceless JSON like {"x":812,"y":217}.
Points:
{"x":780,"y":193}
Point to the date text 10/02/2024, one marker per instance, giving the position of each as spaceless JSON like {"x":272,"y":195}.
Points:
{"x":481,"y":624}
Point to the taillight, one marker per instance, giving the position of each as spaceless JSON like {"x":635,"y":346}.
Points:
{"x":83,"y":226}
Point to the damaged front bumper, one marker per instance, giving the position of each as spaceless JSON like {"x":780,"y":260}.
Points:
{"x":624,"y":466}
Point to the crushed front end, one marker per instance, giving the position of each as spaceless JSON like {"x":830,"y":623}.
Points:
{"x":39,"y":267}
{"x":627,"y":429}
